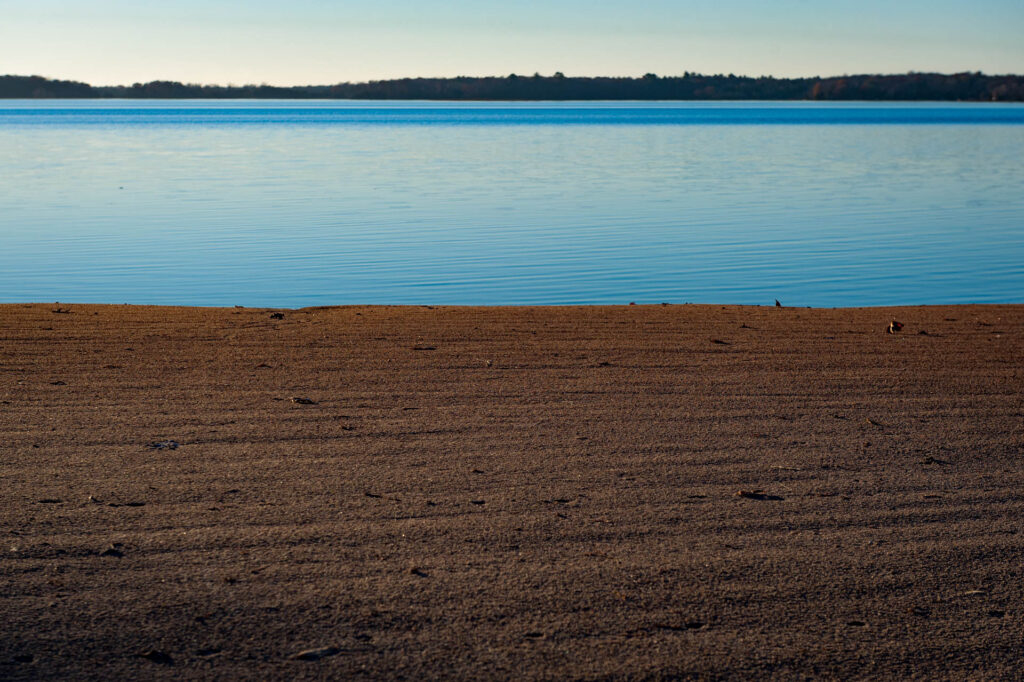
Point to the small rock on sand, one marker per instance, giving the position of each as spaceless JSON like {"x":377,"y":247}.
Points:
{"x":157,"y":657}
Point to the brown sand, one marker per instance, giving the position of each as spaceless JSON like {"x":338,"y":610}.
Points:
{"x":511,"y":492}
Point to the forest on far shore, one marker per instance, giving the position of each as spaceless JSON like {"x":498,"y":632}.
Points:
{"x":973,"y":87}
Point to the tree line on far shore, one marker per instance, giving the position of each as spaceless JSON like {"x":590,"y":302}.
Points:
{"x":968,"y":86}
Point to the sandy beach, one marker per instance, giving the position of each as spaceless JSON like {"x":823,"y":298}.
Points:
{"x":628,"y":492}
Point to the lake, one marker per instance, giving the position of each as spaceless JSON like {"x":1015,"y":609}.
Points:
{"x":296,"y":203}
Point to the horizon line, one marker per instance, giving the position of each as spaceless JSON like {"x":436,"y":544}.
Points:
{"x":555,"y":74}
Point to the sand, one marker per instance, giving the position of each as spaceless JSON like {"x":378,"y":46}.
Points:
{"x":540,"y":493}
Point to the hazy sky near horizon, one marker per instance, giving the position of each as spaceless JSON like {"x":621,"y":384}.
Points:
{"x":322,"y":41}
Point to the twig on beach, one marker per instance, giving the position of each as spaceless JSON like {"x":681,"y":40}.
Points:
{"x":757,"y":495}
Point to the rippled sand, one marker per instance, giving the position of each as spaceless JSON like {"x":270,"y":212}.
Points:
{"x":511,"y":492}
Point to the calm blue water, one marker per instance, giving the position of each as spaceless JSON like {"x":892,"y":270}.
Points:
{"x":309,"y":203}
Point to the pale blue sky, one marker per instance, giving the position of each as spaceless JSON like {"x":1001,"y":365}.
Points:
{"x":320,"y":41}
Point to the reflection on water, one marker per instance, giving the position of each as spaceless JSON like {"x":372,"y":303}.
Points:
{"x":291,"y":204}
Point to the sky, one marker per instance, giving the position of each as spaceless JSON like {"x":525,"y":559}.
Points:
{"x":298,"y":42}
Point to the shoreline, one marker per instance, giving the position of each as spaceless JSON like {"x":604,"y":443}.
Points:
{"x":508,"y":306}
{"x":682,"y":490}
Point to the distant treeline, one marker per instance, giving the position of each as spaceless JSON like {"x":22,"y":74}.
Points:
{"x":975,"y":87}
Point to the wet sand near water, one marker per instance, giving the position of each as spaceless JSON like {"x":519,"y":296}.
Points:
{"x":641,"y":492}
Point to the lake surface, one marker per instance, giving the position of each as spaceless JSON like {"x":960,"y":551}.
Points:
{"x":295,"y":203}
